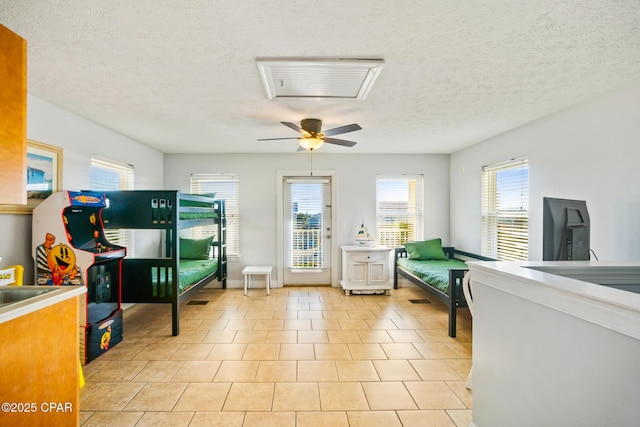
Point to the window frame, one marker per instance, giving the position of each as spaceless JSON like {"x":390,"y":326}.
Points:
{"x":505,"y":226}
{"x":305,"y":239}
{"x":396,"y":236}
{"x":206,"y":183}
{"x":126,"y":180}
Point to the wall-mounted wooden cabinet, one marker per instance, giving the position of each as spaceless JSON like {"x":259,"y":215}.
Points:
{"x":13,"y":117}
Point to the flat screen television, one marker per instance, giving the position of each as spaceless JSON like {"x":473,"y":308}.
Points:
{"x":566,"y":230}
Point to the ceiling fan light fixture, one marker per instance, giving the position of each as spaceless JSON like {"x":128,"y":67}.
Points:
{"x":313,"y":137}
{"x":311,"y":143}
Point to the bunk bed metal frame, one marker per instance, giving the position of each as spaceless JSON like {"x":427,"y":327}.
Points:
{"x":157,"y":280}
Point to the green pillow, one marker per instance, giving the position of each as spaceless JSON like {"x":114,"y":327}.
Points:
{"x":195,"y":248}
{"x":425,"y":250}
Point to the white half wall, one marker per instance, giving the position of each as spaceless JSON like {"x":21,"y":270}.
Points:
{"x":80,"y":139}
{"x":590,"y":152}
{"x":356,"y":199}
{"x":551,"y":350}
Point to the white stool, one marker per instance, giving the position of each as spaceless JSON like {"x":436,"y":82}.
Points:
{"x":257,"y":270}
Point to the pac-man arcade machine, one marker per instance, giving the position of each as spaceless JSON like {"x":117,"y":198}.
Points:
{"x":70,"y":248}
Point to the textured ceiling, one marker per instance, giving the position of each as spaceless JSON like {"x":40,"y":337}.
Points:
{"x":181,"y":75}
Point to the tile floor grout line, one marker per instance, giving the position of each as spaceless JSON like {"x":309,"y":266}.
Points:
{"x":357,"y":311}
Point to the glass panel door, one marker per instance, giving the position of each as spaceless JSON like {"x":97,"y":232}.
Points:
{"x":307,"y":230}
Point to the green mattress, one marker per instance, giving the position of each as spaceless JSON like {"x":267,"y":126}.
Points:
{"x":192,"y":270}
{"x":198,"y":215}
{"x":189,"y":208}
{"x":433,"y":272}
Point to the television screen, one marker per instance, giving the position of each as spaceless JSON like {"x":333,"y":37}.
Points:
{"x":566,"y":231}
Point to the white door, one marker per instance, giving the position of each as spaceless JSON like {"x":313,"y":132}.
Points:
{"x":307,"y":230}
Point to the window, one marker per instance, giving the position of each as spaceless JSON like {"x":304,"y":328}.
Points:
{"x":505,"y":210}
{"x":225,"y":187}
{"x":109,"y":175}
{"x":308,"y":201}
{"x":399,"y":209}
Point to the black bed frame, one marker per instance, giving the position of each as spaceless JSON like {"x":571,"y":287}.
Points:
{"x":147,"y":209}
{"x":453,"y":299}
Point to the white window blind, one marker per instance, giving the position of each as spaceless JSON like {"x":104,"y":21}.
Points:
{"x":109,"y":175}
{"x":226,"y":187}
{"x":399,"y":209}
{"x":505,"y":210}
{"x":309,"y":202}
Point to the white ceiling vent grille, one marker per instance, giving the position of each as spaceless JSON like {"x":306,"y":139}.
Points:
{"x":318,"y":78}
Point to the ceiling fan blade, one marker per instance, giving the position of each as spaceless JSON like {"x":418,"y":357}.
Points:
{"x":295,"y":127}
{"x":342,"y":129}
{"x":275,"y":139}
{"x":342,"y":142}
{"x":301,"y":148}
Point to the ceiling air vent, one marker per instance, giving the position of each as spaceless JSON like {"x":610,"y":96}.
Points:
{"x":318,"y":78}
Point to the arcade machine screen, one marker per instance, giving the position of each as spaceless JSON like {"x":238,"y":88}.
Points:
{"x":85,"y":232}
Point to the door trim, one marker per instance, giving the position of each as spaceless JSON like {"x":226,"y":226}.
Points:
{"x":280,"y":176}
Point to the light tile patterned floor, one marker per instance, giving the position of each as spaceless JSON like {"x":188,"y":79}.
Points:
{"x":303,"y":356}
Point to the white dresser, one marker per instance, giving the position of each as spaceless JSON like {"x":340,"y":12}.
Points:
{"x":365,"y":269}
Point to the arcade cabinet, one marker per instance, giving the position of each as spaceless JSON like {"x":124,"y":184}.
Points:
{"x":70,"y":248}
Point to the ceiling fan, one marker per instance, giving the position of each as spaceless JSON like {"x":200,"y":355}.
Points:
{"x":313,"y":137}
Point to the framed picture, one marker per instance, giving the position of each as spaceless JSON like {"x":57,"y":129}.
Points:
{"x":44,"y":176}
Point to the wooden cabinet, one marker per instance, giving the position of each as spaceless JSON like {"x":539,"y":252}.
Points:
{"x":13,"y":117}
{"x":40,"y":367}
{"x":365,"y":269}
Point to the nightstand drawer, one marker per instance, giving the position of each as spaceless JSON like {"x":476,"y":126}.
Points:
{"x":368,"y":257}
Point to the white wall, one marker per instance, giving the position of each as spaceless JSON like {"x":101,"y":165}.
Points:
{"x":356,"y":175}
{"x":79,"y":139}
{"x":590,"y":152}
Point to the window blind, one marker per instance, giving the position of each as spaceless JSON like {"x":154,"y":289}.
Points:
{"x":107,"y":175}
{"x":110,"y":175}
{"x":309,"y":202}
{"x":505,"y":210}
{"x":227,"y":188}
{"x":399,"y":209}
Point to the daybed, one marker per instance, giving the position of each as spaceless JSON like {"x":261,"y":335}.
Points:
{"x":187,"y":260}
{"x":436,"y":269}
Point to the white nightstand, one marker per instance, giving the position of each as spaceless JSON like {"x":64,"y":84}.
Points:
{"x":365,"y":270}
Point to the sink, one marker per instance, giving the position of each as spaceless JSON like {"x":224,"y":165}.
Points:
{"x":17,"y":301}
{"x":14,"y":294}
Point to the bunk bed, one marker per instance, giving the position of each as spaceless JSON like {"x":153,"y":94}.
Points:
{"x":191,"y":245}
{"x":437,"y":270}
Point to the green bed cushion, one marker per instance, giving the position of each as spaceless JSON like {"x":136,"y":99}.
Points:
{"x":195,"y":248}
{"x":207,"y":213}
{"x":198,"y":215}
{"x":433,"y":272}
{"x":426,"y":250}
{"x":187,"y":202}
{"x":193,"y":270}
